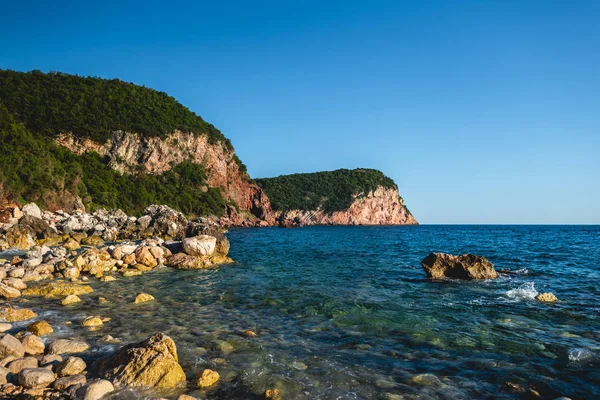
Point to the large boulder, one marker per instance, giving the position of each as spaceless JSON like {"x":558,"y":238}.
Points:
{"x":151,"y":363}
{"x":467,"y":266}
{"x":32,"y":210}
{"x":21,"y":237}
{"x":10,"y":346}
{"x":199,"y":246}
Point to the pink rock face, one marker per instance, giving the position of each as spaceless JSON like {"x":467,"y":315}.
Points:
{"x":134,"y":153}
{"x":384,"y":206}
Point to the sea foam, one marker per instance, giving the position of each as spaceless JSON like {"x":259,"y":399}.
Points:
{"x":525,"y":291}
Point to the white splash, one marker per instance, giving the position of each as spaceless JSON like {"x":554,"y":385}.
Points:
{"x":580,"y":355}
{"x":525,"y":291}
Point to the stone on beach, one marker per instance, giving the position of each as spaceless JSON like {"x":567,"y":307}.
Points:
{"x":151,"y":363}
{"x":68,"y":381}
{"x":10,"y":314}
{"x":71,"y":366}
{"x":35,"y":378}
{"x":67,"y":346}
{"x":202,"y":245}
{"x":33,"y":344}
{"x":94,"y":390}
{"x":8,"y":292}
{"x":467,"y":266}
{"x":20,"y":364}
{"x":10,"y":346}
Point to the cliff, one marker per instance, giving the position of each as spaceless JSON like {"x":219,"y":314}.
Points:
{"x":341,"y":197}
{"x":132,"y":153}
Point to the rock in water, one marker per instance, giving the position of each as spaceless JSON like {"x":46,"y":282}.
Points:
{"x":546,"y":297}
{"x":202,"y":245}
{"x":143,"y":297}
{"x":208,"y":378}
{"x":151,"y":363}
{"x":467,"y":266}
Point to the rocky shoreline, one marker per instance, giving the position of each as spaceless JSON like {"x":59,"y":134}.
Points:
{"x":61,"y":254}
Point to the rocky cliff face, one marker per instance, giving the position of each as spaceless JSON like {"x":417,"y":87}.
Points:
{"x":132,"y":153}
{"x":384,"y":206}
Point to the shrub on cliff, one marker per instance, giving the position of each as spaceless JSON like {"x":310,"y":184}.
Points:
{"x":329,"y":190}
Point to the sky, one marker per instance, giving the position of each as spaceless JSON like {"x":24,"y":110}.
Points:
{"x":482,"y":111}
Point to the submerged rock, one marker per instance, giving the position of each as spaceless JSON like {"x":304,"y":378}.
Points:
{"x":466,"y":266}
{"x":143,"y":298}
{"x":208,"y":378}
{"x":58,"y":289}
{"x":151,"y":363}
{"x":70,"y":299}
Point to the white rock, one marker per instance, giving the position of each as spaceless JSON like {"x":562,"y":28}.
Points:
{"x":202,"y":245}
{"x":32,"y":209}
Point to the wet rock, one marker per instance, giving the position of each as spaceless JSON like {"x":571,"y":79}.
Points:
{"x":467,"y":266}
{"x":71,"y":366}
{"x":15,"y":283}
{"x":131,"y":272}
{"x":186,"y":397}
{"x":35,"y":378}
{"x":94,"y":390}
{"x":143,"y":297}
{"x":5,"y":327}
{"x":425,"y":380}
{"x":8,"y":292}
{"x":249,"y":333}
{"x":151,"y":363}
{"x":92,"y":321}
{"x":67,"y":346}
{"x":70,"y":299}
{"x":199,"y":246}
{"x":109,"y":339}
{"x":10,"y":314}
{"x":546,"y":297}
{"x":33,"y":344}
{"x":58,"y":289}
{"x":207,"y":378}
{"x":10,"y":346}
{"x":185,"y":261}
{"x":273,"y":394}
{"x":68,"y":381}
{"x":108,"y":278}
{"x":20,"y":364}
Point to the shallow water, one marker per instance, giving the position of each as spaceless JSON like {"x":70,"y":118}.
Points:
{"x":345,"y":313}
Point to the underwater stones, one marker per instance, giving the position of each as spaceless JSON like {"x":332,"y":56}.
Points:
{"x":151,"y":363}
{"x":143,"y":298}
{"x":10,"y":314}
{"x":131,"y":272}
{"x":425,"y":380}
{"x":35,"y":378}
{"x":207,"y":378}
{"x":58,"y":289}
{"x":92,"y":321}
{"x":273,"y":394}
{"x":466,"y":266}
{"x":546,"y":297}
{"x":70,"y":299}
{"x":67,"y":346}
{"x":108,"y":278}
{"x":249,"y":333}
{"x":202,"y":245}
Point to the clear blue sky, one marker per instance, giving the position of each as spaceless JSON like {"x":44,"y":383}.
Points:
{"x":483,"y":111}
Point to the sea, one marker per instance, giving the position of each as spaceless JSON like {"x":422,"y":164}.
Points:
{"x":347,"y":313}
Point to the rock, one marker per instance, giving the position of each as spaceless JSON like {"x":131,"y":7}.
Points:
{"x":70,"y":299}
{"x":71,"y":366}
{"x":144,"y":256}
{"x":94,"y":390}
{"x":130,"y":259}
{"x":202,"y":245}
{"x":68,"y":381}
{"x":8,"y":292}
{"x":131,"y":272}
{"x":71,"y":244}
{"x":33,"y":344}
{"x":92,"y":321}
{"x":15,"y":283}
{"x":546,"y":297}
{"x":108,"y":278}
{"x":109,"y":339}
{"x":225,"y":347}
{"x":273,"y":394}
{"x":71,"y":273}
{"x":4,"y":375}
{"x":58,"y":289}
{"x":20,"y":364}
{"x":10,"y":314}
{"x":151,"y":363}
{"x":35,"y":378}
{"x":186,"y":397}
{"x":51,"y":361}
{"x":32,"y":210}
{"x":5,"y":327}
{"x":20,"y":236}
{"x":425,"y":380}
{"x":67,"y":346}
{"x":10,"y":346}
{"x":208,"y":378}
{"x":185,"y":261}
{"x":143,"y":297}
{"x":249,"y":333}
{"x":17,"y":272}
{"x":467,"y":266}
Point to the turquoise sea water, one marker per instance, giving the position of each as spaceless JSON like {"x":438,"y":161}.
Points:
{"x":346,"y":313}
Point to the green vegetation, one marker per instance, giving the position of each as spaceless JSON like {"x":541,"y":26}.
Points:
{"x":329,"y":191}
{"x":33,"y":168}
{"x":55,"y":103}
